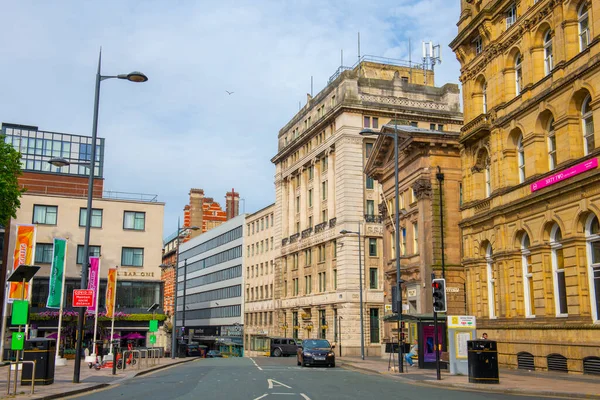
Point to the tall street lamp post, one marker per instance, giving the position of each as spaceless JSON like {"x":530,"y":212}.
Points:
{"x":369,"y":132}
{"x":360,"y":274}
{"x":137,"y":77}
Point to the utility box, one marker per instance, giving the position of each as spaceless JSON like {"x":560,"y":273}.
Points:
{"x":182,"y":349}
{"x":42,"y":351}
{"x":461,"y":329}
{"x":483,"y":361}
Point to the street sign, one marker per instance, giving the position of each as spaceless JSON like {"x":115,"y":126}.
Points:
{"x":153,"y":339}
{"x":83,"y":298}
{"x":461,"y":321}
{"x":153,"y":325}
{"x":18,"y":338}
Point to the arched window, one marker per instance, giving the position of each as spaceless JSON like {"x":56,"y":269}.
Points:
{"x":558,"y":269}
{"x":552,"y":161}
{"x":593,"y":239}
{"x":521,"y":159}
{"x":491,"y":281}
{"x":548,"y":58}
{"x":587,"y":119}
{"x":518,"y":74}
{"x":484,"y":93}
{"x":584,"y":27}
{"x":527,"y":277}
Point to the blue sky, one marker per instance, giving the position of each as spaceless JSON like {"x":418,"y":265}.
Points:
{"x":181,"y":129}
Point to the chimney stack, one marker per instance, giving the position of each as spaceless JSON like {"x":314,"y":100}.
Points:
{"x":232,"y":201}
{"x":196,"y":210}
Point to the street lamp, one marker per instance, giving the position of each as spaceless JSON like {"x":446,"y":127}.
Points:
{"x":174,"y":328}
{"x":369,"y":132}
{"x":362,"y":325}
{"x":61,"y":162}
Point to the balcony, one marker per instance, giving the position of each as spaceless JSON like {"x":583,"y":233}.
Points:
{"x":306,"y":233}
{"x":294,"y":238}
{"x":284,"y":241}
{"x":475,"y":129}
{"x":373,"y":218}
{"x":332,"y":222}
{"x":321,"y":227}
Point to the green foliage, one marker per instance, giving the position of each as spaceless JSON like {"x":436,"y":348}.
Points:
{"x":10,"y":169}
{"x":71,"y":316}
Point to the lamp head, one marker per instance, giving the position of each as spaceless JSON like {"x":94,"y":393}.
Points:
{"x":367,"y":132}
{"x":344,"y":232}
{"x":135,"y":76}
{"x":59,"y":162}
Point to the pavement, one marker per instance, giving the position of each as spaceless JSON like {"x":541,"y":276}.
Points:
{"x":89,"y":379}
{"x":527,"y":383}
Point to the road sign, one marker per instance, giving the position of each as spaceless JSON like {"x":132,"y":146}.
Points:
{"x":152,"y":339}
{"x":83,"y":298}
{"x":18,"y":338}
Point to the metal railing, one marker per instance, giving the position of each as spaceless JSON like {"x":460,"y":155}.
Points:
{"x":16,"y":364}
{"x":373,"y":218}
{"x":378,"y":60}
{"x":133,"y":352}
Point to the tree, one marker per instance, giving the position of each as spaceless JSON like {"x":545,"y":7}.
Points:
{"x":10,"y":192}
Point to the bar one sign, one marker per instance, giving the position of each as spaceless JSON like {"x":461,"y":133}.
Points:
{"x":566,"y":174}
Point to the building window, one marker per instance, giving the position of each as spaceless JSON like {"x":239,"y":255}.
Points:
{"x":588,"y":126}
{"x":440,"y":128}
{"x":373,"y":247}
{"x":375,"y":123}
{"x":310,"y":221}
{"x":96,"y":217}
{"x":414,"y":124}
{"x":367,"y":122}
{"x":484,"y":97}
{"x":45,"y":215}
{"x":374,"y":325}
{"x":460,"y":194}
{"x":295,"y":325}
{"x":488,"y":179}
{"x":267,"y":222}
{"x":370,"y":182}
{"x":584,"y":27}
{"x":511,"y":15}
{"x":368,"y":149}
{"x":134,"y":220}
{"x":43,"y":253}
{"x":370,"y":207}
{"x":334,"y":245}
{"x":94,"y":251}
{"x":373,"y":278}
{"x":324,"y":216}
{"x":403,"y":243}
{"x":322,"y":281}
{"x":311,"y":172}
{"x":335,"y":279}
{"x":297,"y":227}
{"x":132,"y":257}
{"x":416,"y":238}
{"x":558,"y":269}
{"x":527,"y":277}
{"x":518,"y":74}
{"x":521,"y":159}
{"x":308,"y":257}
{"x":324,"y":190}
{"x":392,"y":247}
{"x":308,"y":284}
{"x":322,"y":324}
{"x":491,"y":282}
{"x":548,"y":57}
{"x":552,"y":161}
{"x":324,"y":163}
{"x":285,"y":289}
{"x":310,"y":197}
{"x":593,"y":239}
{"x":295,"y":283}
{"x":478,"y":45}
{"x":297,"y":204}
{"x":432,"y":127}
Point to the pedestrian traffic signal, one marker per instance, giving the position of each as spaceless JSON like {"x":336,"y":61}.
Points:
{"x":439,"y":295}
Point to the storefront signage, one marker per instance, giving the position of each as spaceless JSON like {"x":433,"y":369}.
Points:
{"x":136,"y":274}
{"x":566,"y":174}
{"x":461,"y":321}
{"x":231,"y":330}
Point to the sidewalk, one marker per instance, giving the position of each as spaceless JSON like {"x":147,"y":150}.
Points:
{"x":511,"y":381}
{"x":90,"y":379}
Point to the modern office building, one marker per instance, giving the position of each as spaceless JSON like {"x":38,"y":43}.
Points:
{"x":321,"y":189}
{"x":210,"y":299}
{"x":531,"y":183}
{"x":260,"y":316}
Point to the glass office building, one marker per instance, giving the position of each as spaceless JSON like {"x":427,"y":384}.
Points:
{"x":37,"y":147}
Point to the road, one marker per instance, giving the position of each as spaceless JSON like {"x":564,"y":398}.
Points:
{"x":273,"y":378}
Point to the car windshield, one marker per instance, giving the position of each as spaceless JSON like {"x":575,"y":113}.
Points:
{"x":316,"y":344}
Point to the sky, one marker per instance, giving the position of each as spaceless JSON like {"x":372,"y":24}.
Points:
{"x":181,"y":130}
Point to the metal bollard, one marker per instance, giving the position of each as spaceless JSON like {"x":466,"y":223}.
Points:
{"x":16,"y":364}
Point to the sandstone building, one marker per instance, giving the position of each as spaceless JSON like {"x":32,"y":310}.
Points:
{"x":531,"y":186}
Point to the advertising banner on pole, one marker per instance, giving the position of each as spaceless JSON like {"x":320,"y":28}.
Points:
{"x":55,"y":290}
{"x":94,"y":281}
{"x":111,"y":286}
{"x":24,"y":248}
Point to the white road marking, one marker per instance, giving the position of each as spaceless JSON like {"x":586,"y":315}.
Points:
{"x":256,"y":364}
{"x":264,"y":395}
{"x":305,"y":396}
{"x":272,"y":381}
{"x":293,"y":394}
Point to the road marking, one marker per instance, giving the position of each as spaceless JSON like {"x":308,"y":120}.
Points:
{"x":292,"y":394}
{"x":305,"y":396}
{"x":256,"y":364}
{"x":264,"y":395}
{"x":272,"y":381}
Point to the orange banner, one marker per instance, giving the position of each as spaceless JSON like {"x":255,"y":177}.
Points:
{"x":111,"y":287}
{"x":23,"y":255}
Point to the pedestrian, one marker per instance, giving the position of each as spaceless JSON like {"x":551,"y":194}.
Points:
{"x":484,"y":336}
{"x":412,"y":352}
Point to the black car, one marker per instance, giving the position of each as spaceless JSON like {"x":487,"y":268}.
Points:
{"x":214,"y":354}
{"x":283,"y":347}
{"x":315,"y":352}
{"x":192,"y":350}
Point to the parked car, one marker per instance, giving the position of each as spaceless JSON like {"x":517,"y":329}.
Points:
{"x":283,"y":347}
{"x":193,"y":350}
{"x":315,"y":352}
{"x":214,"y":354}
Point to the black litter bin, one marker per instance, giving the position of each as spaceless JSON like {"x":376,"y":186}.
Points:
{"x":182,"y":350}
{"x":483,"y":361}
{"x":42,"y":351}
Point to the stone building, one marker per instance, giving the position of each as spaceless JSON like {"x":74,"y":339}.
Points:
{"x":531,"y":238}
{"x":420,"y":152}
{"x":321,"y":189}
{"x":259,"y":307}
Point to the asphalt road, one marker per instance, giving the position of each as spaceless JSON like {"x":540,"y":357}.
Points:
{"x":273,"y":378}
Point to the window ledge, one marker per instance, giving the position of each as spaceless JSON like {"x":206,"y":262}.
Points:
{"x":562,"y":315}
{"x":530,"y":316}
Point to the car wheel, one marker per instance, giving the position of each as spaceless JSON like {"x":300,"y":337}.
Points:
{"x":332,"y":365}
{"x":277,"y":352}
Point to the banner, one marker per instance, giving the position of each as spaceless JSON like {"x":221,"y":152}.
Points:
{"x":55,"y":291}
{"x":23,"y":255}
{"x":111,"y":286}
{"x":94,"y":281}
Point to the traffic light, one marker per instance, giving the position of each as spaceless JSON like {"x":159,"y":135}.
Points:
{"x":439,"y":295}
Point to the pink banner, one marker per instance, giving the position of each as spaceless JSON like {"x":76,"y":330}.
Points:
{"x":94,"y":281}
{"x":566,"y":174}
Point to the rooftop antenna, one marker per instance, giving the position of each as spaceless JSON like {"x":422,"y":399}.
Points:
{"x":358,"y":46}
{"x":342,"y":58}
{"x":299,"y":106}
{"x":311,"y":86}
{"x":431,"y":55}
{"x":409,"y":62}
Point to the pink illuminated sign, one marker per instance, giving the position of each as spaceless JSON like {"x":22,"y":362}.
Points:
{"x":566,"y":174}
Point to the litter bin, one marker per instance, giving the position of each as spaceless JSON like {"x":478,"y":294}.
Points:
{"x":42,"y":351}
{"x":483,"y":361}
{"x":182,"y":350}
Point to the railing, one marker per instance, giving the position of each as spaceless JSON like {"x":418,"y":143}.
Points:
{"x":373,"y":218}
{"x":284,"y":241}
{"x":148,"y":198}
{"x":75,"y":190}
{"x":294,"y":237}
{"x":378,"y":60}
{"x":306,"y":233}
{"x":16,"y":364}
{"x":332,"y":222}
{"x":321,"y":227}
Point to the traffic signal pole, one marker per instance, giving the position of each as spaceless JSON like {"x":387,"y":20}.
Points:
{"x":439,"y":305}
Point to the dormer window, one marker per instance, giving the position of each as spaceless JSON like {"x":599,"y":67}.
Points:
{"x":511,"y":15}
